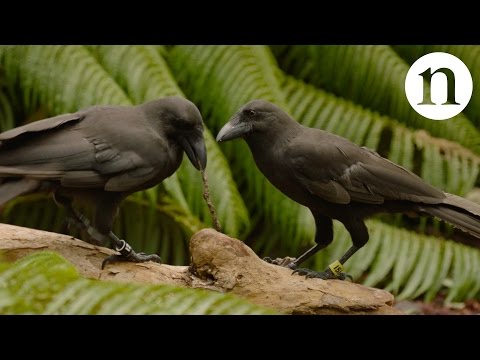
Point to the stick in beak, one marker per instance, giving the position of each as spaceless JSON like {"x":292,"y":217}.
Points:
{"x":195,"y":150}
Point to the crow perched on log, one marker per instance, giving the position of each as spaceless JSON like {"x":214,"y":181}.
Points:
{"x":337,"y":179}
{"x":101,"y":155}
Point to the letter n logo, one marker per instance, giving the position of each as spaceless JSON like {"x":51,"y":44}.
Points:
{"x":427,"y":84}
{"x":438,"y":86}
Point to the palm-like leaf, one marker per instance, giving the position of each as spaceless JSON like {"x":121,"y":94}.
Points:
{"x":373,"y":76}
{"x":7,"y":119}
{"x":63,"y":78}
{"x":45,"y":283}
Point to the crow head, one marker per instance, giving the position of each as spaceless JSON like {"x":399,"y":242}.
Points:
{"x":182,"y":122}
{"x":257,"y":116}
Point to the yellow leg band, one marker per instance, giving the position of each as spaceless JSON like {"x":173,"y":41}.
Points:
{"x":336,"y":268}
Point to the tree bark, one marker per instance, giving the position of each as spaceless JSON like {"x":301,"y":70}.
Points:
{"x":219,"y":263}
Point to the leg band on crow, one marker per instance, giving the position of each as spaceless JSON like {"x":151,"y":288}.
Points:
{"x":334,"y":270}
{"x":125,"y":250}
{"x":127,"y":253}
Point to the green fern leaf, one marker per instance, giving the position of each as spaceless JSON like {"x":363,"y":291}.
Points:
{"x":373,"y":76}
{"x":45,"y":283}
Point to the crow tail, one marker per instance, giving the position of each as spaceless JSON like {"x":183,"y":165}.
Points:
{"x":459,"y":212}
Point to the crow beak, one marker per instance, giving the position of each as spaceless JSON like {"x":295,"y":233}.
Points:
{"x":195,"y":149}
{"x":233,"y":129}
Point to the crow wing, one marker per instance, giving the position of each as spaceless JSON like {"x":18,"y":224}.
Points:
{"x":340,"y":172}
{"x":39,"y":126}
{"x":96,"y":148}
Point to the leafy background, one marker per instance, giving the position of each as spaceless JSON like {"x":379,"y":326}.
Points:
{"x":353,"y":91}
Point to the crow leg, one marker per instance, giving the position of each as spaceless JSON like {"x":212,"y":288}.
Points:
{"x":334,"y":270}
{"x":323,"y":237}
{"x":359,"y":234}
{"x":75,"y":218}
{"x":101,"y":231}
{"x":106,"y":210}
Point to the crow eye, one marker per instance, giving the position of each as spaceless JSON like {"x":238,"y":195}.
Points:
{"x":250,"y":113}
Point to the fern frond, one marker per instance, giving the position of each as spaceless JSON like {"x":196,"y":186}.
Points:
{"x":45,"y":283}
{"x":373,"y":76}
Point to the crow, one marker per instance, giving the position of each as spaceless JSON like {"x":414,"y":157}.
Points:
{"x":100,"y":155}
{"x":337,"y":179}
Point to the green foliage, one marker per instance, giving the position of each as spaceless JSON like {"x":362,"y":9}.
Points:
{"x":45,"y":283}
{"x":62,"y":78}
{"x":7,"y":120}
{"x":353,"y":91}
{"x":374,"y":76}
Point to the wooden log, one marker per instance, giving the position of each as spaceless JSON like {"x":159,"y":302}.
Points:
{"x":219,"y":263}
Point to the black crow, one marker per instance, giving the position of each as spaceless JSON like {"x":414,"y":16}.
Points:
{"x":101,"y":155}
{"x":336,"y":179}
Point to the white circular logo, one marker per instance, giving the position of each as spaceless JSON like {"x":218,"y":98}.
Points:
{"x":438,"y":86}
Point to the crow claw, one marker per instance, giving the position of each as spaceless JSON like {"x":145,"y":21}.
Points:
{"x":288,"y":262}
{"x":132,"y":257}
{"x":325,"y":275}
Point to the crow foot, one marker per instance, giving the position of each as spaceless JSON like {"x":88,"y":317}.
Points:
{"x":288,"y":262}
{"x":128,"y":255}
{"x":325,"y":275}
